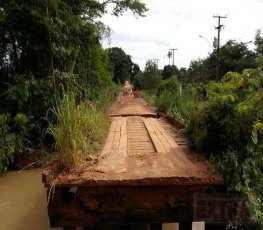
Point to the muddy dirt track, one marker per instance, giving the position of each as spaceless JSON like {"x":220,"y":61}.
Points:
{"x":140,"y":149}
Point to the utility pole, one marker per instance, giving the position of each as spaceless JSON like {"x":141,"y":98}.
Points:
{"x":169,"y":55}
{"x":156,"y":62}
{"x":218,"y":28}
{"x":173,"y":49}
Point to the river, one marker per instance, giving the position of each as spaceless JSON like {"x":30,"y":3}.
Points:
{"x":23,"y":201}
{"x":23,"y":204}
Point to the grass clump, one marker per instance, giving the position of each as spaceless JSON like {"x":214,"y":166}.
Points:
{"x":79,"y":129}
{"x":170,"y":100}
{"x":149,"y":96}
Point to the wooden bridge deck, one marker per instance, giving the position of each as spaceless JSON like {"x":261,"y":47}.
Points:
{"x":144,"y":174}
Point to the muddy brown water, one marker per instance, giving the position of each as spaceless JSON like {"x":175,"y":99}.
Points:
{"x":23,"y":202}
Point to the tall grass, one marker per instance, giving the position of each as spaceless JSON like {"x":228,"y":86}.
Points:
{"x":149,"y":96}
{"x":79,"y":128}
{"x":174,"y":103}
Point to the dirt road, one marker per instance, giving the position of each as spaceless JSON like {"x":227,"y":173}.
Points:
{"x":141,"y":149}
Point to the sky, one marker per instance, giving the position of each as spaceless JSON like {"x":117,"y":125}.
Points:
{"x":178,"y":23}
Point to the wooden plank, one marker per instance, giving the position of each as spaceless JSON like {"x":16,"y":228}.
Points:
{"x":123,"y":126}
{"x":157,"y":143}
{"x":138,"y":146}
{"x":139,"y":141}
{"x":117,"y":136}
{"x":144,"y":150}
{"x":138,"y":137}
{"x":123,"y":146}
{"x":169,"y":139}
{"x":108,"y":144}
{"x":109,"y":141}
{"x":123,"y":138}
{"x":113,"y":125}
{"x":162,"y":139}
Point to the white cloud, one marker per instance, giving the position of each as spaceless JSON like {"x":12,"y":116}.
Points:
{"x":178,"y":24}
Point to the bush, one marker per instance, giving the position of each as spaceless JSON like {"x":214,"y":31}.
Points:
{"x":170,"y":100}
{"x":229,"y":125}
{"x":225,"y":119}
{"x":171,"y":85}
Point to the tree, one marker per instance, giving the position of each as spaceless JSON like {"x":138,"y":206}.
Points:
{"x":169,"y":71}
{"x":54,"y":42}
{"x":50,"y":35}
{"x":234,"y":56}
{"x":151,"y":76}
{"x":259,"y":43}
{"x":137,"y":81}
{"x":135,"y":70}
{"x":200,"y":70}
{"x":49,"y":43}
{"x":120,"y":64}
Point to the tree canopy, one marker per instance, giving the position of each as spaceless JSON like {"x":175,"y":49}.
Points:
{"x":169,"y":71}
{"x":44,"y":45}
{"x":234,"y":56}
{"x":120,"y":64}
{"x":151,"y":77}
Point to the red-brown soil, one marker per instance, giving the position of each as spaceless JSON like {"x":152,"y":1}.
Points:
{"x":139,"y":150}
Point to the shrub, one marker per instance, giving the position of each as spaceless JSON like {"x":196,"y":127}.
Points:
{"x":171,"y":85}
{"x":225,"y":119}
{"x":229,"y":124}
{"x":170,"y":100}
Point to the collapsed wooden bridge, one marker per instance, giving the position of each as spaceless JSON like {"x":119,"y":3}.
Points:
{"x":144,"y":174}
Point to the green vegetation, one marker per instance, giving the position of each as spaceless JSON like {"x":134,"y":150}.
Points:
{"x":224,"y":118}
{"x":228,"y":124}
{"x":120,"y":65}
{"x":149,"y":96}
{"x":169,"y":71}
{"x":151,"y":77}
{"x":166,"y":95}
{"x":79,"y":130}
{"x":234,"y":56}
{"x":48,"y":44}
{"x":227,"y":114}
{"x":44,"y":45}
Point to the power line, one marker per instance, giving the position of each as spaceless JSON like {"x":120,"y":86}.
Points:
{"x":218,"y":28}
